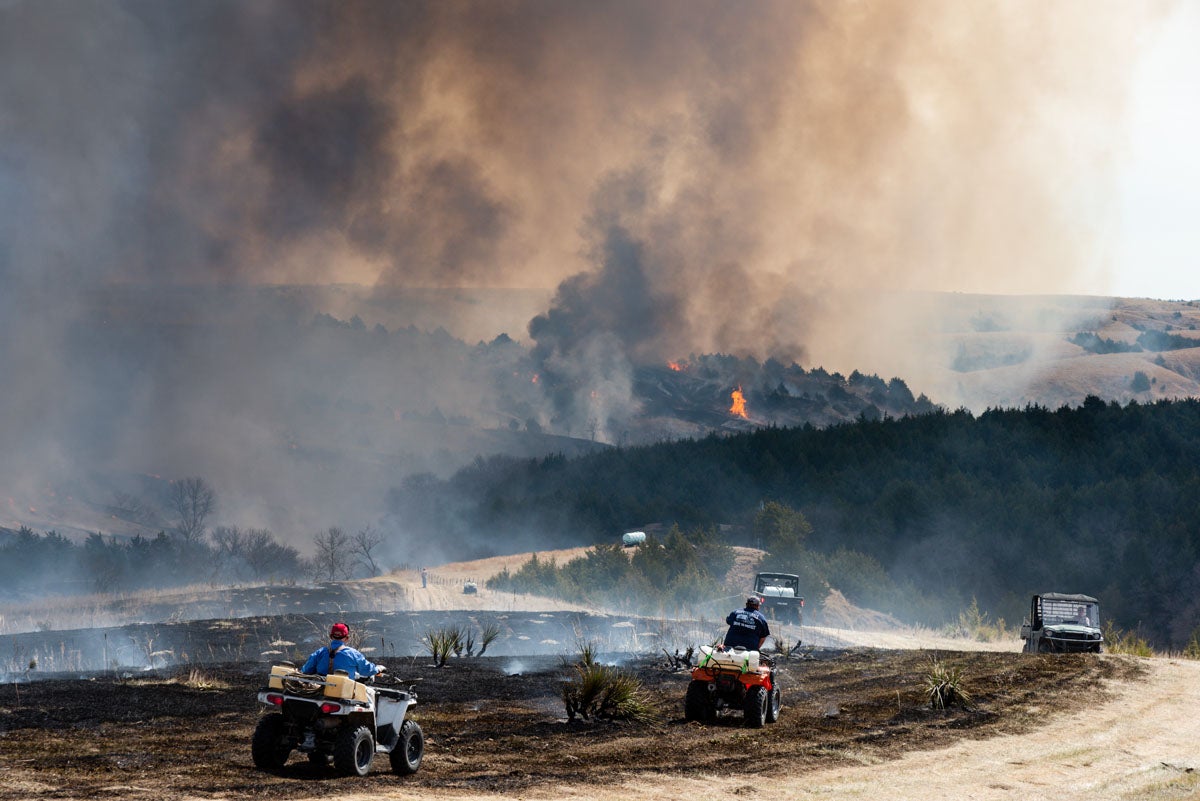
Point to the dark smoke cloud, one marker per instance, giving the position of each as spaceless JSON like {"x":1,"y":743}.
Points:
{"x":462,"y":143}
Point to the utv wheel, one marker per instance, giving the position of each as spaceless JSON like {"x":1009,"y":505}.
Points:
{"x":354,"y":750}
{"x":1044,"y":647}
{"x":698,"y":703}
{"x":410,"y":747}
{"x":774,"y":704}
{"x":268,"y":748}
{"x":756,"y":706}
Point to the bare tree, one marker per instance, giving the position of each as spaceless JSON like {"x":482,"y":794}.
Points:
{"x":266,"y":557}
{"x":230,"y":543}
{"x":333,"y":557}
{"x":194,"y":501}
{"x":366,"y":541}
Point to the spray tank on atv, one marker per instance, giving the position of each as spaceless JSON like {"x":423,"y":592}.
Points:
{"x":335,"y":717}
{"x":733,"y":679}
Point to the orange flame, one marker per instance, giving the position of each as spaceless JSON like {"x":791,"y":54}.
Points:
{"x":738,"y":407}
{"x":677,"y":366}
{"x":535,"y":378}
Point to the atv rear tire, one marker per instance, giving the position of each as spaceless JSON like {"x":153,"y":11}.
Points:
{"x":354,"y":751}
{"x":698,"y":703}
{"x":756,"y":706}
{"x":267,"y":748}
{"x":410,"y":747}
{"x":774,"y":704}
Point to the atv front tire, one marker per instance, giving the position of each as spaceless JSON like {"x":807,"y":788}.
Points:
{"x":268,"y":748}
{"x":774,"y":704}
{"x":354,"y":750}
{"x":756,"y":706}
{"x":698,"y":703}
{"x":410,"y":747}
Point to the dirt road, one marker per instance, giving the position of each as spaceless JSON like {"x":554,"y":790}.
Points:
{"x":1143,"y":744}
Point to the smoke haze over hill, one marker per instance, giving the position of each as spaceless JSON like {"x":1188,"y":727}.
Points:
{"x":678,"y":177}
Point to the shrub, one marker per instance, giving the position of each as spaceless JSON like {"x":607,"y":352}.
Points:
{"x":604,"y":692}
{"x":1192,"y":649}
{"x":1118,"y":641}
{"x":944,"y":686}
{"x":974,"y":623}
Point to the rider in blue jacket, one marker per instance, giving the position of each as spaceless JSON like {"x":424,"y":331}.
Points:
{"x":747,"y":627}
{"x":343,"y":657}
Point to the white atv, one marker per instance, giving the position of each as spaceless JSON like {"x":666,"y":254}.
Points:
{"x":335,"y":717}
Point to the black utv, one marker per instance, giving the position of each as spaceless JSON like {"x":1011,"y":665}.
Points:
{"x":1060,"y":623}
{"x":781,"y":598}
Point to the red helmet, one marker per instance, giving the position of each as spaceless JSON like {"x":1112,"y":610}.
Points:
{"x":340,"y":631}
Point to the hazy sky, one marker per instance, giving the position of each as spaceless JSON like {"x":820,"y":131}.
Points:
{"x":1157,"y":253}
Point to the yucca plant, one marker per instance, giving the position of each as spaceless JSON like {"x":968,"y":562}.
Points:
{"x":487,"y":635}
{"x":441,"y":643}
{"x":604,"y":692}
{"x":944,"y":686}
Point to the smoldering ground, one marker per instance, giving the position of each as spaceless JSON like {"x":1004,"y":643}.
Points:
{"x":187,"y":732}
{"x":692,"y":177}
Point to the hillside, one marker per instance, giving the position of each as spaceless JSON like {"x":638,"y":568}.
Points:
{"x":304,"y":406}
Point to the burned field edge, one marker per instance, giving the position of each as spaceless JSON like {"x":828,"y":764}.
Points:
{"x":390,"y":635}
{"x":186,"y":730}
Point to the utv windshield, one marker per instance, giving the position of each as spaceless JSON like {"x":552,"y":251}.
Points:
{"x":777,"y":586}
{"x":1056,"y":612}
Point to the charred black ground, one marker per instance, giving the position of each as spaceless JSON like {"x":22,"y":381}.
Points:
{"x":186,"y":731}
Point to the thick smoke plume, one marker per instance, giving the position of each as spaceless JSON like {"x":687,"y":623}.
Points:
{"x":693,"y":177}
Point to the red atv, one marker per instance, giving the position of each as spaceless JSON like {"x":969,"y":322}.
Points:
{"x":733,"y":679}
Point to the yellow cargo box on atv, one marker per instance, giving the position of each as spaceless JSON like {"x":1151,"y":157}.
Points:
{"x":339,"y":685}
{"x":335,"y":718}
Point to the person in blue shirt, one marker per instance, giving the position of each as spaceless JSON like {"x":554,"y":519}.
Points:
{"x":339,"y":656}
{"x":747,"y":627}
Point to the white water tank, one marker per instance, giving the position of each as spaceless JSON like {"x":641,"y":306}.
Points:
{"x":633,"y":538}
{"x":734,"y":659}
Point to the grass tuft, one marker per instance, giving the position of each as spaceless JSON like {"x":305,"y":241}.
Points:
{"x":198,"y":680}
